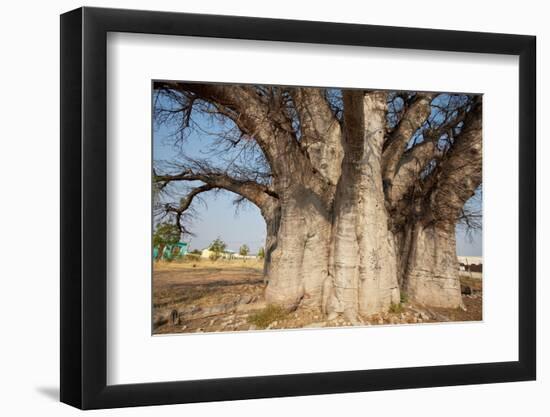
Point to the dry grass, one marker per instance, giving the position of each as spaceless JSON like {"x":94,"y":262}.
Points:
{"x":396,"y":308}
{"x":268,"y":315}
{"x":208,"y":264}
{"x":475,"y":284}
{"x":207,"y":283}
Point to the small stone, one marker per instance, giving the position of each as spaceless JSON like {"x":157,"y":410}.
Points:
{"x":245,"y":299}
{"x":423,"y":316}
{"x":332,"y":316}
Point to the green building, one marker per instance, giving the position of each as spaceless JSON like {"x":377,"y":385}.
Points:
{"x":171,"y":252}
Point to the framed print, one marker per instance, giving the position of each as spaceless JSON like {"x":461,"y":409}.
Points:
{"x":257,"y":208}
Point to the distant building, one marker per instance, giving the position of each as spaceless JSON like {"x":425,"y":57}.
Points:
{"x":170,"y":252}
{"x":239,"y":256}
{"x":471,"y":263}
{"x":207,"y":254}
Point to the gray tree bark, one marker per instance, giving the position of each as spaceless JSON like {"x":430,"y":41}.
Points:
{"x":426,"y":228}
{"x":429,"y":265}
{"x":364,"y":274}
{"x":299,"y":262}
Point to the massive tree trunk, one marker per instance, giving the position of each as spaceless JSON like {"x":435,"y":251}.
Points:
{"x":426,"y":218}
{"x":272,"y":217}
{"x":299,"y":261}
{"x":306,"y":179}
{"x":364,"y":274}
{"x":429,"y":264}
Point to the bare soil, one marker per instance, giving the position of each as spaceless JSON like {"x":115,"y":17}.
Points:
{"x":224,"y":296}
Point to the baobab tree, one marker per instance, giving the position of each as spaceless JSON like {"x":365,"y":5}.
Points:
{"x":361,"y":190}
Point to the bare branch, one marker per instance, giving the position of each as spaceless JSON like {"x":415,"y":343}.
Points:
{"x":414,"y":117}
{"x":435,"y":139}
{"x":184,"y":205}
{"x":258,"y":194}
{"x":259,"y":114}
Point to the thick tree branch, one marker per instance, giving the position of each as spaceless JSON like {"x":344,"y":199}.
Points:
{"x":460,"y":173}
{"x":414,"y":164}
{"x":410,"y":168}
{"x":260,"y":113}
{"x":412,"y":120}
{"x":320,"y":130}
{"x":258,"y":117}
{"x":259,"y":194}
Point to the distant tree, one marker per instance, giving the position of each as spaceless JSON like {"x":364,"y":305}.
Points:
{"x":244,"y":250}
{"x":196,"y":252}
{"x":165,"y":234}
{"x":218,"y":248}
{"x":261,"y":253}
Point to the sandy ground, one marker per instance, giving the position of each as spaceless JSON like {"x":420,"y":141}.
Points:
{"x":222,"y":296}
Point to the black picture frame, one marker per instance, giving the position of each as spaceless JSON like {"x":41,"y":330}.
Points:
{"x":84,"y":207}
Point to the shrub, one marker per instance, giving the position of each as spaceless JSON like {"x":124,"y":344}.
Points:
{"x":165,"y":234}
{"x":396,"y":308}
{"x":268,"y":315}
{"x":243,"y":250}
{"x":261,"y":253}
{"x":192,"y":257}
{"x":218,"y":248}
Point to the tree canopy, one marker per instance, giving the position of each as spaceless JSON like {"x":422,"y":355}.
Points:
{"x":166,"y":234}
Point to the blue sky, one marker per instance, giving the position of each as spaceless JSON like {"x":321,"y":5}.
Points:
{"x":467,"y":245}
{"x":217,"y":215}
